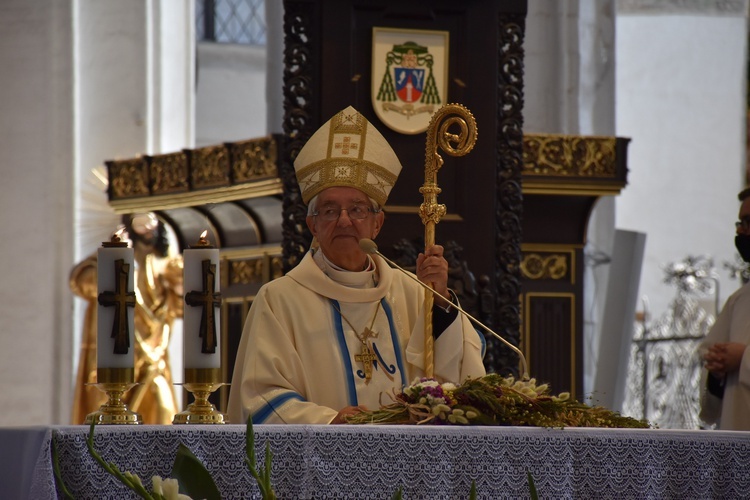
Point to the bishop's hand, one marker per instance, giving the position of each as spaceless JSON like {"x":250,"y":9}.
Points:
{"x":432,"y":268}
{"x":345,"y":412}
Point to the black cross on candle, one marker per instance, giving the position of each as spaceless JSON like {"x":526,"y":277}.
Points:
{"x":209,"y":300}
{"x":121,"y":299}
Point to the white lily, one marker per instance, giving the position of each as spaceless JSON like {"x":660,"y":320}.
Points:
{"x":169,"y":488}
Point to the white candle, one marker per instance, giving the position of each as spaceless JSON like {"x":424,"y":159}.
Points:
{"x":115,"y":334}
{"x":202,"y":299}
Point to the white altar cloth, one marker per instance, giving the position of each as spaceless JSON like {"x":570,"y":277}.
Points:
{"x":427,"y":462}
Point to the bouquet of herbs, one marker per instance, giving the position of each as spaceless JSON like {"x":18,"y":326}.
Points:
{"x":491,"y":400}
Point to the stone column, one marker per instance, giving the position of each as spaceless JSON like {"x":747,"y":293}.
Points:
{"x":36,"y":113}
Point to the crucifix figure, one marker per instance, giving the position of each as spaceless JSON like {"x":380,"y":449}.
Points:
{"x":367,"y":358}
{"x":209,"y":300}
{"x":121,"y":299}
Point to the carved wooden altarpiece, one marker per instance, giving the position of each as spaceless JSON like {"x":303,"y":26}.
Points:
{"x":563,"y":177}
{"x":328,"y":66}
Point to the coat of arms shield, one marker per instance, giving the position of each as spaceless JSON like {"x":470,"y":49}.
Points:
{"x":409,"y":77}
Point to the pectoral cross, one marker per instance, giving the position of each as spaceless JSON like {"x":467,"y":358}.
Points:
{"x":209,"y":300}
{"x":369,"y":334}
{"x":367,"y":358}
{"x":121,"y":299}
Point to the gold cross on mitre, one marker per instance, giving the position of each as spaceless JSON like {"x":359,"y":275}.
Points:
{"x":346,"y":144}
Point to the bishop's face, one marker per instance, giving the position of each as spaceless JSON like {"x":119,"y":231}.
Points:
{"x":337,"y":232}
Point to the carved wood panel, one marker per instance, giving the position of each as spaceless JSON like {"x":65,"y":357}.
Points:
{"x":327,"y":58}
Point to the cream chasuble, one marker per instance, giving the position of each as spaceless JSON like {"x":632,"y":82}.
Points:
{"x":732,"y":412}
{"x":300,"y":360}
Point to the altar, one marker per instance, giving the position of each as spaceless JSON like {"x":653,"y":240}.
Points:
{"x":427,"y":462}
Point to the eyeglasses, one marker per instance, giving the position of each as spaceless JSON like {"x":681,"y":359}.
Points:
{"x":743,"y":224}
{"x":356,"y":212}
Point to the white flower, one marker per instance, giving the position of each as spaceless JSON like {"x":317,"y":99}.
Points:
{"x":432,"y":400}
{"x":168,"y":488}
{"x":443,"y":407}
{"x":133,"y":478}
{"x":449,"y":386}
{"x":460,"y":419}
{"x":528,"y":392}
{"x":156,"y":484}
{"x":563,"y":396}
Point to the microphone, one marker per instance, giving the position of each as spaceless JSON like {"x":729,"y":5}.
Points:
{"x":370,"y":247}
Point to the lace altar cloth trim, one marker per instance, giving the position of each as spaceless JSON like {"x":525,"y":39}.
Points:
{"x":428,"y":462}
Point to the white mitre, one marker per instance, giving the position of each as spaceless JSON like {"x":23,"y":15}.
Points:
{"x":347,"y":151}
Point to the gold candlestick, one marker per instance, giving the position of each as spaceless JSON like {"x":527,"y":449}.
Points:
{"x":114,"y":382}
{"x":201,"y":382}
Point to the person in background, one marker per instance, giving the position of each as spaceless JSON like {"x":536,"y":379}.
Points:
{"x":726,"y":397}
{"x":343,"y":329}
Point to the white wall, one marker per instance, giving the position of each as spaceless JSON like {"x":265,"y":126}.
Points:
{"x":551,"y":68}
{"x":78,"y":86}
{"x":36,"y":246}
{"x":681,"y":98}
{"x":231,"y":93}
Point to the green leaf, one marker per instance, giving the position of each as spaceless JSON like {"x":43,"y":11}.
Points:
{"x":262,"y":477}
{"x":473,"y":491}
{"x":398,"y":494}
{"x":194,"y":479}
{"x":250,"y":443}
{"x":112,"y":469}
{"x":532,"y":487}
{"x":56,"y":468}
{"x":267,"y":471}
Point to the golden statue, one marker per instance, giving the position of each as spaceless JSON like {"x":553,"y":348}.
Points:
{"x":158,"y":288}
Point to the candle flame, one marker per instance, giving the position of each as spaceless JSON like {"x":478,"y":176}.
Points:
{"x":203,"y":240}
{"x":117,"y":235}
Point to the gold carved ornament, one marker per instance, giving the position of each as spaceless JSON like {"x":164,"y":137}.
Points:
{"x":254,"y":160}
{"x":569,"y":156}
{"x":535,"y":266}
{"x":454,"y":144}
{"x":169,"y":173}
{"x":210,"y":167}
